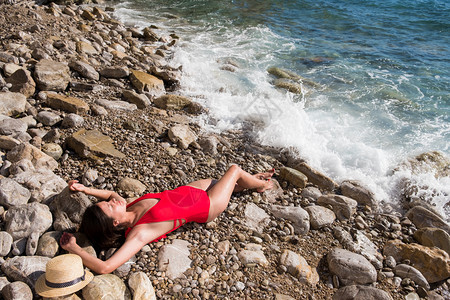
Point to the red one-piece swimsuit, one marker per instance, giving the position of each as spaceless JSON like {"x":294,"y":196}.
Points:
{"x":184,"y":203}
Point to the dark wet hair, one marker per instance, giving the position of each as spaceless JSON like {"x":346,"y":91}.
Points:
{"x":99,"y":229}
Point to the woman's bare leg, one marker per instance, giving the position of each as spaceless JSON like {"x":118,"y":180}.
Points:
{"x":220,"y":193}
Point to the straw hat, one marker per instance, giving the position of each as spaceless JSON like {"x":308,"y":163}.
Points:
{"x":63,"y":275}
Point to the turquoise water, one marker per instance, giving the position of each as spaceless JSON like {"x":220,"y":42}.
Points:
{"x":380,"y":68}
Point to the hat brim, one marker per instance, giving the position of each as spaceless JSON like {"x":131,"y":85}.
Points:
{"x":45,"y":291}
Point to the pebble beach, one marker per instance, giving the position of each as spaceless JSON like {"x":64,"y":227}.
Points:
{"x":85,"y":97}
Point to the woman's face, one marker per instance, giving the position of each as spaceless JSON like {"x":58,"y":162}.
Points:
{"x":113,"y":208}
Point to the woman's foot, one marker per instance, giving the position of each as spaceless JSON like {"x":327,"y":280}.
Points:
{"x":266,"y":176}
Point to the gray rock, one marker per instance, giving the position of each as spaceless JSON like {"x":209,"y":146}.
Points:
{"x":3,"y":282}
{"x":351,"y":268}
{"x":7,"y":142}
{"x":433,"y":237}
{"x":255,"y":217}
{"x":6,"y":241}
{"x":22,"y":82}
{"x":25,"y":268}
{"x":32,"y":243}
{"x":12,"y":193}
{"x":140,"y":100}
{"x":86,"y":87}
{"x":72,"y":120}
{"x":89,"y":177}
{"x":209,"y":144}
{"x":361,"y":292}
{"x":297,"y":215}
{"x":48,"y":118}
{"x":19,"y":246}
{"x":141,"y":286}
{"x":39,"y":54}
{"x":12,"y":127}
{"x":84,"y":69}
{"x":253,"y":254}
{"x":182,"y":135}
{"x":406,"y":271}
{"x":51,"y":75}
{"x":311,"y":192}
{"x":174,"y":258}
{"x":294,"y":177}
{"x":119,"y":105}
{"x":355,"y":190}
{"x":107,"y":286}
{"x":17,"y":291}
{"x":115,"y":72}
{"x":23,"y":220}
{"x":131,"y":186}
{"x":320,"y":216}
{"x":48,"y":244}
{"x":298,"y":267}
{"x":53,"y":150}
{"x":422,"y":217}
{"x":42,"y":183}
{"x":38,"y":158}
{"x":68,"y":209}
{"x":8,"y":58}
{"x":343,"y":207}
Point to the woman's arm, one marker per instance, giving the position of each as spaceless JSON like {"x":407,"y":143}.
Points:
{"x":100,"y":194}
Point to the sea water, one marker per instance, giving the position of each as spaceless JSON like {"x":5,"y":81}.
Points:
{"x":376,"y":79}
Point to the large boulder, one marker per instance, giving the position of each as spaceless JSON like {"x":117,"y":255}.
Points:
{"x":297,"y":215}
{"x":174,"y":258}
{"x":107,"y":286}
{"x":433,"y":263}
{"x":51,"y":75}
{"x":12,"y":193}
{"x":6,"y":241}
{"x":22,"y":82}
{"x":17,"y":290}
{"x":351,"y":268}
{"x":141,"y":286}
{"x":85,"y":70}
{"x":140,"y":100}
{"x":315,"y":177}
{"x":25,"y":268}
{"x":144,"y":82}
{"x":182,"y":135}
{"x":68,"y":104}
{"x":293,"y":176}
{"x":361,"y":292}
{"x":298,"y":267}
{"x":23,"y":220}
{"x":320,"y":216}
{"x":343,"y":207}
{"x":355,"y":190}
{"x":93,"y":144}
{"x":433,"y":237}
{"x":68,"y":209}
{"x":255,"y":217}
{"x":422,"y":217}
{"x":12,"y":104}
{"x":38,"y":158}
{"x":48,"y":244}
{"x":13,"y":127}
{"x":407,"y":271}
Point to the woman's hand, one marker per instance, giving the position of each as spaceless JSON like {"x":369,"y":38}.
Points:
{"x":77,"y":187}
{"x":68,"y":242}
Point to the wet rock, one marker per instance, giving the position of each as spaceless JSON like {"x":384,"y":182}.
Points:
{"x":72,"y":120}
{"x":149,"y":35}
{"x":38,"y":158}
{"x":343,"y":207}
{"x":298,"y":267}
{"x":119,"y":105}
{"x":48,"y":244}
{"x":320,"y":216}
{"x":141,"y":286}
{"x":12,"y":193}
{"x":85,"y":70}
{"x":42,"y":183}
{"x":355,"y":190}
{"x":182,"y":135}
{"x":48,"y":118}
{"x":255,"y":217}
{"x":433,"y":237}
{"x":17,"y":291}
{"x":360,"y":292}
{"x":51,"y":75}
{"x":293,"y":176}
{"x":315,"y":177}
{"x":144,"y":82}
{"x":23,"y":220}
{"x":115,"y":72}
{"x":25,"y":268}
{"x":12,"y":127}
{"x":140,"y":100}
{"x":68,"y":104}
{"x":174,"y":258}
{"x":104,"y":287}
{"x":422,"y":217}
{"x":253,"y":254}
{"x":68,"y":209}
{"x":351,"y":268}
{"x":297,"y":215}
{"x":406,"y":271}
{"x":434,"y":162}
{"x":172,"y":102}
{"x":433,"y":263}
{"x":131,"y":186}
{"x":93,"y":144}
{"x":22,"y":82}
{"x":6,"y":241}
{"x":12,"y":103}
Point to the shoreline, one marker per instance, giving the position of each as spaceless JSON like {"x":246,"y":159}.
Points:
{"x":151,"y":139}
